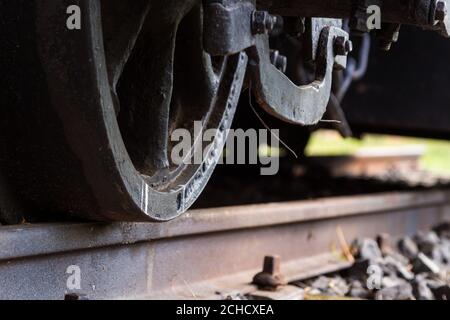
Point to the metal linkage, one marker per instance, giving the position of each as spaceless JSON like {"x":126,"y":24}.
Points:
{"x":279,"y":96}
{"x":262,"y":22}
{"x":270,"y":277}
{"x":233,"y":26}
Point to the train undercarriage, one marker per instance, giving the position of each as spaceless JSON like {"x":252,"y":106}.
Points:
{"x":89,"y":107}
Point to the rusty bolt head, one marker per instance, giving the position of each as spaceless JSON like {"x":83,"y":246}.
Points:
{"x":441,"y":11}
{"x":270,"y":278}
{"x":342,"y":46}
{"x":272,"y":265}
{"x":262,"y":22}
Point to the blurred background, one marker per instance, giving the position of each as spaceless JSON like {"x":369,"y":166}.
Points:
{"x":435,"y":155}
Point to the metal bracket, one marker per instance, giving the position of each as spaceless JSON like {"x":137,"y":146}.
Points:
{"x":278,"y":95}
{"x":228,"y":30}
{"x":227,"y":27}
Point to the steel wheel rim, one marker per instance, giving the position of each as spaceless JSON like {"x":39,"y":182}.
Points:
{"x":126,"y":193}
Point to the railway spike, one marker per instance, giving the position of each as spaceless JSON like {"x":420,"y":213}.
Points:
{"x":270,"y":278}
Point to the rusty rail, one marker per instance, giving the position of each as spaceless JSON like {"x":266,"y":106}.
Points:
{"x":208,"y":253}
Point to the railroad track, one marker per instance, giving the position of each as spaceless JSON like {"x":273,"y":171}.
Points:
{"x":82,"y":141}
{"x":207,"y":253}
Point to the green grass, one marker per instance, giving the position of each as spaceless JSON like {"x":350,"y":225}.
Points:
{"x":436,"y":158}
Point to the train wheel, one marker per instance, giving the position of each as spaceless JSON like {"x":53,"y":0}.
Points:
{"x":97,"y":141}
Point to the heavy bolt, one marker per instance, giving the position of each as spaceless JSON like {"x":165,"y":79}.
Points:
{"x":342,"y":46}
{"x":270,"y":278}
{"x":278,"y":60}
{"x":262,"y":22}
{"x":441,"y":11}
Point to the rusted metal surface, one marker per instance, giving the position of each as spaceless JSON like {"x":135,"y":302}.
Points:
{"x":204,"y":252}
{"x":270,"y":278}
{"x":412,"y":12}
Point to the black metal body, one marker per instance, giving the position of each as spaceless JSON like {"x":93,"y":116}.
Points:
{"x":405,"y":91}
